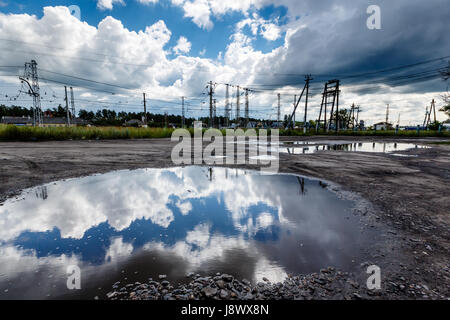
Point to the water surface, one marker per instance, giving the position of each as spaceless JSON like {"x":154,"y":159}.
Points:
{"x":132,"y":225}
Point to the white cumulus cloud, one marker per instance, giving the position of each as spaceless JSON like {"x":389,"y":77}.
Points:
{"x":183,"y":46}
{"x":108,"y":4}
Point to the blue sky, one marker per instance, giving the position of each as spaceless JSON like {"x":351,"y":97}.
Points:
{"x":136,"y":16}
{"x":173,"y":48}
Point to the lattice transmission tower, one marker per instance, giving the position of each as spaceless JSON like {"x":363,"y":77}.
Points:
{"x":30,"y":76}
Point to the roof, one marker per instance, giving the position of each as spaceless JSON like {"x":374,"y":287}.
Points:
{"x":132,"y":121}
{"x":54,"y":120}
{"x":18,"y":120}
{"x":46,"y":120}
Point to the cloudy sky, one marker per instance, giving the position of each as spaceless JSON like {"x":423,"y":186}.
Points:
{"x":113,"y":50}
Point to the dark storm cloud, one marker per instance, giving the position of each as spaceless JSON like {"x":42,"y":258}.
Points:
{"x":332,"y":39}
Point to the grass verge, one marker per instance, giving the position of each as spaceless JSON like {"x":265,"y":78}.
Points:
{"x":17,"y":133}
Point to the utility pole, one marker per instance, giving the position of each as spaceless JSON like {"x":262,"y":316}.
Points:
{"x":238,"y":107}
{"x":210,"y":104}
{"x":357,"y":116}
{"x":182,"y":113}
{"x":278,"y":111}
{"x":214,"y":113}
{"x":67,"y":106}
{"x":72,"y":106}
{"x":387,"y":113}
{"x":432,"y":107}
{"x":295,"y":101}
{"x":425,"y":123}
{"x":308,"y":78}
{"x":331,"y":90}
{"x":352,"y":117}
{"x":337,"y":106}
{"x":227,"y":106}
{"x":145,"y":110}
{"x":246,"y":107}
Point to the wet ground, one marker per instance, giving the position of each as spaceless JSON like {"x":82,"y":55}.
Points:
{"x":408,"y":194}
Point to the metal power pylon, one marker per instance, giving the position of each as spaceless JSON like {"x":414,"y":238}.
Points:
{"x":30,"y":77}
{"x":182,"y":113}
{"x":72,"y":106}
{"x":246,"y":107}
{"x":227,"y":106}
{"x":238,"y":108}
{"x":278,"y":111}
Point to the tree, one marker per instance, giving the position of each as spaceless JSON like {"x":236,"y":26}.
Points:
{"x":344,"y":117}
{"x":446,"y":76}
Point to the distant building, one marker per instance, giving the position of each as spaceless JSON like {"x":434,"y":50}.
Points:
{"x":47,"y":121}
{"x":383,"y":126}
{"x":62,"y":122}
{"x":133,"y":123}
{"x":362,"y":125}
{"x":54,"y":122}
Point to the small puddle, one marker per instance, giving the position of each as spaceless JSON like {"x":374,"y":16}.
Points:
{"x":129,"y":226}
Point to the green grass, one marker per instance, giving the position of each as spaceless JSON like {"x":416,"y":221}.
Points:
{"x":441,"y":142}
{"x":14,"y":133}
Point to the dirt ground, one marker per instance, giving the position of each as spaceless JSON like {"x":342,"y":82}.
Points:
{"x":411,"y":195}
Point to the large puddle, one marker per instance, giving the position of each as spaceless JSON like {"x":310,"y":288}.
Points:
{"x":129,"y":226}
{"x":305,"y":147}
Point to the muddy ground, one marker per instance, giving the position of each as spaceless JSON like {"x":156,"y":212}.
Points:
{"x":410,"y":197}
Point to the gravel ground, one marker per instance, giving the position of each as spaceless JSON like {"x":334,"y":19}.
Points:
{"x":410,"y":199}
{"x":327,"y":284}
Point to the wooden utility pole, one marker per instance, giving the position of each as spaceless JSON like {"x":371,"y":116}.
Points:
{"x":425,"y":122}
{"x":432,"y":107}
{"x":387,"y":113}
{"x":145,"y":110}
{"x":214,"y":112}
{"x":331,"y":90}
{"x":295,"y":101}
{"x":67,"y":106}
{"x":337,"y":106}
{"x":308,"y":78}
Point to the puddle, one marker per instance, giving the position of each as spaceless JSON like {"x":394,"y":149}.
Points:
{"x":298,"y":147}
{"x":404,"y":155}
{"x":129,"y":226}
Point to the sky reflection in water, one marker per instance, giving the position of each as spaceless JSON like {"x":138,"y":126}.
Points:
{"x":132,"y":225}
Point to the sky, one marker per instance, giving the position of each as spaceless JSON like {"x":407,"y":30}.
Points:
{"x":111,"y":51}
